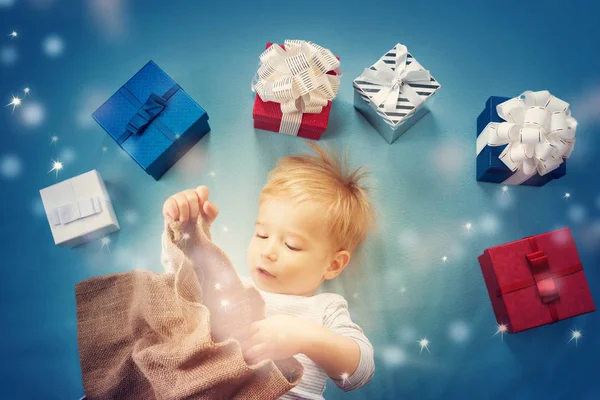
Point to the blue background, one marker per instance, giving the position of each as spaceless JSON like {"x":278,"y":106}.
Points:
{"x":399,"y":288}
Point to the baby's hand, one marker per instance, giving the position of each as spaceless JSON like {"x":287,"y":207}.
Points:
{"x":185,"y":206}
{"x":276,"y":337}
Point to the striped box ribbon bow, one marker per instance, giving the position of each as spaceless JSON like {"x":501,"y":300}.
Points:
{"x":297,"y":79}
{"x":396,"y":85}
{"x":539,"y":131}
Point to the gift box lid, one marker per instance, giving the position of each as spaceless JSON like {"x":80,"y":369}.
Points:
{"x":180,"y":113}
{"x":404,"y":108}
{"x":512,"y":265}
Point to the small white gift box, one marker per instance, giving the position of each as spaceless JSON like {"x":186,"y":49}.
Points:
{"x":79,"y":210}
{"x":392,"y":93}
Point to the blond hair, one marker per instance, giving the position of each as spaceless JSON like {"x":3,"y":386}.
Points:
{"x":325,"y":177}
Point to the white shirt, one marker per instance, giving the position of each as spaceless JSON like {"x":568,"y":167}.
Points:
{"x":331,"y":311}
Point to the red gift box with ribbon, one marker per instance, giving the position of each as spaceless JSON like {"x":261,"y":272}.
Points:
{"x":268,"y":115}
{"x":536,"y":281}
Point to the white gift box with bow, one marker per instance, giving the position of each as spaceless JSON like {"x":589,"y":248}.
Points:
{"x":79,"y":210}
{"x":539,"y":131}
{"x":392,"y":93}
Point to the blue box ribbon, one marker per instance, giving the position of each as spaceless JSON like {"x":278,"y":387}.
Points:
{"x":147,"y":113}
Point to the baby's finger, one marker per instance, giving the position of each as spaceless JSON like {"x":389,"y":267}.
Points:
{"x":184,"y":207}
{"x":256,"y":354}
{"x":203,"y":192}
{"x":194,"y":203}
{"x":170,"y":209}
{"x":212,"y":210}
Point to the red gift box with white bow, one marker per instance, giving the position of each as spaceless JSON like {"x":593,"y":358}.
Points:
{"x":295,"y":85}
{"x":536,"y":281}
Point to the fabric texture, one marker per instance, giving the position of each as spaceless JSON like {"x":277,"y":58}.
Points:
{"x":144,"y":335}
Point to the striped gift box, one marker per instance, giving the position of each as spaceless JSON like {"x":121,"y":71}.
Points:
{"x":393,"y":124}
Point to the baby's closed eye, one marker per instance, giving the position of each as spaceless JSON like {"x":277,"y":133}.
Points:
{"x":288,"y":246}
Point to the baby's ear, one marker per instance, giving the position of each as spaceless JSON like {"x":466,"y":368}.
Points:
{"x":337,"y":265}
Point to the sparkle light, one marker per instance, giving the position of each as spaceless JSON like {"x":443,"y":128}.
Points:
{"x":344,"y":377}
{"x":225,"y":229}
{"x":402,"y":290}
{"x":53,"y":139}
{"x":185,"y":237}
{"x":445,"y":259}
{"x":26,"y":90}
{"x":13,"y":34}
{"x":575,"y":335}
{"x":212,"y":173}
{"x":218,"y":286}
{"x":504,"y":189}
{"x":501,"y":329}
{"x":104,"y":149}
{"x":105,"y":242}
{"x":424,"y":343}
{"x":224,"y":303}
{"x":15,"y":102}
{"x":56,"y":166}
{"x":469,"y":227}
{"x":567,"y":196}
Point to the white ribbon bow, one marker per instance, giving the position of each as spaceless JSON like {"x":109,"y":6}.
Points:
{"x":396,"y":81}
{"x":539,"y":131}
{"x":74,"y":211}
{"x":297,"y":79}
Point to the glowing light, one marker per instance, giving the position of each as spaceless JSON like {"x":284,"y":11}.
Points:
{"x":218,"y":286}
{"x":424,"y":343}
{"x":402,"y":290}
{"x":504,"y":189}
{"x":26,"y":90}
{"x":445,"y":259}
{"x":344,"y":377}
{"x":53,"y":139}
{"x":567,"y":196}
{"x":212,"y":173}
{"x":15,"y":102}
{"x":105,"y":242}
{"x":104,"y":149}
{"x":575,"y":335}
{"x":13,"y":34}
{"x":224,"y":303}
{"x":469,"y":227}
{"x":56,"y":166}
{"x":501,"y":329}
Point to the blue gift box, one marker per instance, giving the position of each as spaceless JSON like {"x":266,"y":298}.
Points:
{"x":489,"y":167}
{"x":153,"y":119}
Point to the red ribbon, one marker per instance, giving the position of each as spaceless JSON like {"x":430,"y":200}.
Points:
{"x":542,"y":277}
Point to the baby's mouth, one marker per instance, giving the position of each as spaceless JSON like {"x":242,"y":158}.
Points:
{"x":264,"y":272}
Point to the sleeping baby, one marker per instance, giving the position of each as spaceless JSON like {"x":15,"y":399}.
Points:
{"x":312,"y":215}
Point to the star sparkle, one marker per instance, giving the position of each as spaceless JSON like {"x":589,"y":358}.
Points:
{"x":56,"y":166}
{"x":501,"y":329}
{"x":105,"y":242}
{"x":424,"y":343}
{"x":15,"y":102}
{"x":575,"y":335}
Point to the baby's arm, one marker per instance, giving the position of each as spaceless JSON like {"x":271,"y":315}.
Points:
{"x":342,"y":349}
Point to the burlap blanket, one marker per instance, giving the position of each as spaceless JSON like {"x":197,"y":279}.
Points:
{"x":144,"y":335}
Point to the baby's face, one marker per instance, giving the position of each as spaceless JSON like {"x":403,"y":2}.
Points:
{"x":290,"y":250}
